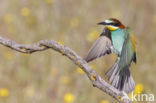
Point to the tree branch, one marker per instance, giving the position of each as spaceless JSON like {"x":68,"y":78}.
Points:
{"x":96,"y":80}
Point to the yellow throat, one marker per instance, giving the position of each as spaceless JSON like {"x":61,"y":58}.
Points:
{"x":111,"y":28}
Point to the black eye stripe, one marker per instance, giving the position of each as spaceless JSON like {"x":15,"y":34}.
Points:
{"x":110,"y":23}
{"x":114,"y":24}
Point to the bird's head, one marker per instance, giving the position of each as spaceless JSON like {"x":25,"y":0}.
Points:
{"x":112,"y":24}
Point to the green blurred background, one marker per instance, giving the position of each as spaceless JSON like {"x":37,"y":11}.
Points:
{"x":48,"y":77}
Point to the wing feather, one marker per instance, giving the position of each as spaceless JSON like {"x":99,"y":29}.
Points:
{"x":101,"y":47}
{"x":128,"y":53}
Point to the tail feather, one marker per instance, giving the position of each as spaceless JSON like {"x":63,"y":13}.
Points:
{"x":121,"y":79}
{"x":110,"y":72}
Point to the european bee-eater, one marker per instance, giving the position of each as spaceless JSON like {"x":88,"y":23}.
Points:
{"x":116,"y":38}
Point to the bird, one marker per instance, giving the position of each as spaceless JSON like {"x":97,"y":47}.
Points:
{"x":118,"y":39}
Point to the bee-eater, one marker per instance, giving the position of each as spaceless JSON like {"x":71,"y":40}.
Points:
{"x":116,"y":38}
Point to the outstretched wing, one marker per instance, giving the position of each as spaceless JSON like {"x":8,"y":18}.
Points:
{"x":101,"y":46}
{"x":128,"y":53}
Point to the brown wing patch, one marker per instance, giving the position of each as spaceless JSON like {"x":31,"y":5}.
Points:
{"x":133,"y":42}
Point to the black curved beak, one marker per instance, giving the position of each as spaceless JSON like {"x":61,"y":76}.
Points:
{"x":102,"y":23}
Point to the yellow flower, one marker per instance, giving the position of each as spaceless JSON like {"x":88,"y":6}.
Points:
{"x":138,"y":88}
{"x":68,"y":98}
{"x":8,"y":55}
{"x":80,"y":71}
{"x":8,"y":18}
{"x":4,"y":92}
{"x":48,"y":1}
{"x":25,"y":12}
{"x":104,"y":101}
{"x":65,"y":79}
{"x":74,"y":22}
{"x":154,"y":19}
{"x":93,"y":35}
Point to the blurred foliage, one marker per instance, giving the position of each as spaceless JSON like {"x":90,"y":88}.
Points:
{"x":48,"y":77}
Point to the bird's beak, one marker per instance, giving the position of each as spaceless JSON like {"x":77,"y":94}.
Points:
{"x":102,"y":23}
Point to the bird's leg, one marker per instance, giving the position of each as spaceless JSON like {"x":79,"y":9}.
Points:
{"x":113,"y":50}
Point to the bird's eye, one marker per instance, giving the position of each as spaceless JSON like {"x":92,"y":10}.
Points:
{"x":116,"y":24}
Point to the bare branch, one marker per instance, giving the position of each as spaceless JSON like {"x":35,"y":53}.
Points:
{"x":96,"y":80}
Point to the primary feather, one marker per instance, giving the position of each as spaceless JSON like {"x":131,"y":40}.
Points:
{"x":101,"y":46}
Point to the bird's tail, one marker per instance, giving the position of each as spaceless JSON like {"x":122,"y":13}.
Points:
{"x":121,"y":78}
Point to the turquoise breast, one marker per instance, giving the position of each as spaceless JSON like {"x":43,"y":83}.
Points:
{"x":118,"y":37}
